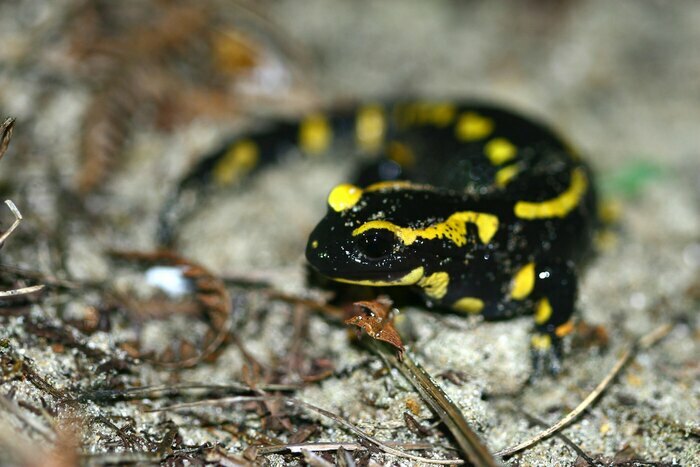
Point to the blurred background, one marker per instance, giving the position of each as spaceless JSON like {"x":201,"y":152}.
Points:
{"x":116,"y":101}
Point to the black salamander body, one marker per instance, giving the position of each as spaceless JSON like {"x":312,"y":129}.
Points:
{"x":485,"y":211}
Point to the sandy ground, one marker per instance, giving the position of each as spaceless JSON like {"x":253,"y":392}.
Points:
{"x":620,"y":79}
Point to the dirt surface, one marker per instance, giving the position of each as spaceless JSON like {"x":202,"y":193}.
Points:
{"x":620,"y":79}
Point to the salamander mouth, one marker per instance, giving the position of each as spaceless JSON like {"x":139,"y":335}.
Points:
{"x":382,"y":278}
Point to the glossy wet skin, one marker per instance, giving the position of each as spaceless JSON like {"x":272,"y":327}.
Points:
{"x":376,"y":255}
{"x":484,"y":210}
{"x":388,"y":234}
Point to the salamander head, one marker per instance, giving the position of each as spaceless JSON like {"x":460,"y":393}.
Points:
{"x":376,"y":236}
{"x":344,"y":246}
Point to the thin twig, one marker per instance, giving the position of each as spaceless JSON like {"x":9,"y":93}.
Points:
{"x":330,"y":310}
{"x":6,"y":134}
{"x":18,"y":219}
{"x":21,"y":291}
{"x":561,"y":436}
{"x":5,"y":235}
{"x":300,"y":403}
{"x":329,"y":446}
{"x":468,"y":441}
{"x":121,"y":458}
{"x":49,"y":280}
{"x":161,"y":391}
{"x":642,"y":343}
{"x":470,"y":444}
{"x":126,"y":440}
{"x":41,"y":384}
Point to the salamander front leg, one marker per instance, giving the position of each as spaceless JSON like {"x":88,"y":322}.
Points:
{"x":556,"y":288}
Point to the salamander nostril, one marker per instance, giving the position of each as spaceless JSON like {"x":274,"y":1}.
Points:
{"x":377,"y":244}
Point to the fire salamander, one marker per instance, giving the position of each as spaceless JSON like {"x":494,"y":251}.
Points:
{"x":483,"y":210}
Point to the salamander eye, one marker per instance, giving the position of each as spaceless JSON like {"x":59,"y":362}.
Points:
{"x":377,"y":243}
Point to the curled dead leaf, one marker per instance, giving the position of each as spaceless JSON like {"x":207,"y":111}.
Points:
{"x":377,"y":319}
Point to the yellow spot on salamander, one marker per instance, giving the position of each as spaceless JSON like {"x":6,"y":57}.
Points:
{"x":506,"y":174}
{"x":401,"y":154}
{"x":453,"y":228}
{"x":469,"y":305}
{"x":315,"y":134}
{"x":409,"y":279}
{"x":564,"y":329}
{"x":344,"y":196}
{"x":314,"y":244}
{"x":559,"y":206}
{"x":435,"y":285}
{"x":523,"y":282}
{"x":543,"y":311}
{"x":370,"y":128}
{"x":500,"y":150}
{"x":609,"y":211}
{"x":541,"y":341}
{"x":472,"y":127}
{"x":240,"y":159}
{"x":439,"y":114}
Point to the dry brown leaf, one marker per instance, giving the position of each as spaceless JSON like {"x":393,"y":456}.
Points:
{"x":376,"y":318}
